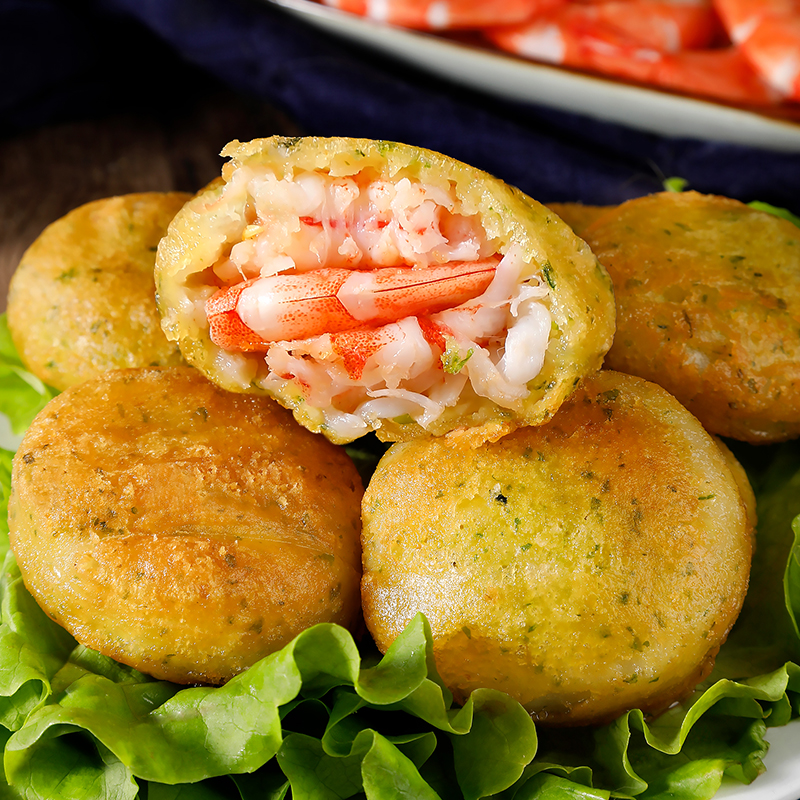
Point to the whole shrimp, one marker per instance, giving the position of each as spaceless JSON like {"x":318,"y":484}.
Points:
{"x":249,"y":316}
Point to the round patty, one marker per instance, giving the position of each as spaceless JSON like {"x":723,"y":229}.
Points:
{"x":181,"y":529}
{"x":708,"y":306}
{"x":587,"y":566}
{"x":82,"y":300}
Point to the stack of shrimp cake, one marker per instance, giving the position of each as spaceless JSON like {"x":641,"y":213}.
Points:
{"x":181,"y":529}
{"x":189,"y":527}
{"x":708,"y":306}
{"x":376,"y":286}
{"x":82,"y":300}
{"x":586,"y":566}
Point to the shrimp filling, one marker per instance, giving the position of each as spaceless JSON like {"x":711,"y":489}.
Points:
{"x":375,"y":299}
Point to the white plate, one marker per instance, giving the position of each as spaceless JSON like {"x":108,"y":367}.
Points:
{"x":781,"y":781}
{"x":515,"y":79}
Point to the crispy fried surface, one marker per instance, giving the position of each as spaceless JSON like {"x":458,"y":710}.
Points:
{"x":708,"y":299}
{"x":181,"y":529}
{"x":82,"y":300}
{"x":587,"y":566}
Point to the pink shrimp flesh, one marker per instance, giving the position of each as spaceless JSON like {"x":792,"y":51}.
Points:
{"x":250,"y":315}
{"x":355,"y":347}
{"x":369,"y":297}
{"x":768,"y":34}
{"x":660,"y":24}
{"x":562,"y":37}
{"x":444,"y":14}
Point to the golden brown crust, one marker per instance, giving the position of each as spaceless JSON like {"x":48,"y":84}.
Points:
{"x":708,"y":302}
{"x":586,"y":566}
{"x":181,"y":529}
{"x":82,"y":300}
{"x":581,"y":299}
{"x":743,"y":482}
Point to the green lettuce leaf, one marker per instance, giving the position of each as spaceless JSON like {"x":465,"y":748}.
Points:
{"x":315,"y":707}
{"x":32,"y":650}
{"x":674,"y":184}
{"x":776,"y":210}
{"x":766,"y":633}
{"x":100,"y":715}
{"x":22,"y":394}
{"x":5,"y":490}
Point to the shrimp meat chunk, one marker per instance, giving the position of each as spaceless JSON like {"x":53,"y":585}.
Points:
{"x":372,"y":294}
{"x":286,"y":307}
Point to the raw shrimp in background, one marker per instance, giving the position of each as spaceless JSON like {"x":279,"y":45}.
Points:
{"x":768,"y":33}
{"x":443,"y":14}
{"x":662,"y":44}
{"x":743,"y":52}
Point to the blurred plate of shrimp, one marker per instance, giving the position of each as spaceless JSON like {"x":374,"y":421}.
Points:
{"x":467,"y":59}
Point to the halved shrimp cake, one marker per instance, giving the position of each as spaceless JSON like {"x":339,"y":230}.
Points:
{"x":377,"y":286}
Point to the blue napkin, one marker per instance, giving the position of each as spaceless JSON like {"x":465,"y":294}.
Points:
{"x":330,"y":87}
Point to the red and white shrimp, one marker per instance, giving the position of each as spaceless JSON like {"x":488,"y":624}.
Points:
{"x":570,"y":36}
{"x":251,"y":315}
{"x":664,"y":25}
{"x":444,"y":14}
{"x":377,"y":298}
{"x":768,"y":34}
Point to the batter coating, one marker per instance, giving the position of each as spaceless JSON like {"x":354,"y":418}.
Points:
{"x":586,"y":566}
{"x":82,"y":300}
{"x":181,"y":529}
{"x":371,"y":285}
{"x":708,"y":299}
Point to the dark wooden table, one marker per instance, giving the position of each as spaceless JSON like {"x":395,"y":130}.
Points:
{"x":46,"y":172}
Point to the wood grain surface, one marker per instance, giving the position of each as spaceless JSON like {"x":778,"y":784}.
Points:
{"x":46,"y":172}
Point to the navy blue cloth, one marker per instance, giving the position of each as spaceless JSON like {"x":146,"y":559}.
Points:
{"x":89,"y":50}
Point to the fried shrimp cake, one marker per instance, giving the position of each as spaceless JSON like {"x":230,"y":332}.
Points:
{"x":82,"y":300}
{"x":587,"y":566}
{"x":708,"y":299}
{"x":181,"y":529}
{"x":375,"y":286}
